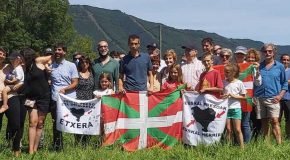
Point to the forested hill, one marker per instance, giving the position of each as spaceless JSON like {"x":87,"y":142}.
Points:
{"x":115,"y":26}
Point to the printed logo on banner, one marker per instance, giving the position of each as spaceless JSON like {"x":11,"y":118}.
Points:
{"x":78,"y":116}
{"x":204,"y":118}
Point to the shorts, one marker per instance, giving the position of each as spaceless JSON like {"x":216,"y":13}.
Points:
{"x":235,"y":113}
{"x":267,"y":109}
{"x":42,"y":104}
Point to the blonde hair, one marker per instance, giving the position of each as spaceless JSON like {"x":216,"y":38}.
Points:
{"x":234,"y":68}
{"x":108,"y":77}
{"x":178,"y":68}
{"x":256,"y":54}
{"x":170,"y":52}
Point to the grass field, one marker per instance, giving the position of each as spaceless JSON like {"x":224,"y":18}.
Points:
{"x":254,"y":150}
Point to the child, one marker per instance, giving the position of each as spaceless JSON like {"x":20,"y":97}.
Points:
{"x":210,"y":80}
{"x":174,"y":79}
{"x":235,"y":91}
{"x":105,"y":85}
{"x":14,"y":80}
{"x":155,"y":60}
{"x":170,"y":59}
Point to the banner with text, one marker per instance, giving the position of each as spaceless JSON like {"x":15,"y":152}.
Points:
{"x":78,"y":116}
{"x":204,"y":118}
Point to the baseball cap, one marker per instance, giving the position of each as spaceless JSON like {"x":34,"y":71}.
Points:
{"x":15,"y":55}
{"x":152,"y":45}
{"x":241,"y":49}
{"x":48,"y":51}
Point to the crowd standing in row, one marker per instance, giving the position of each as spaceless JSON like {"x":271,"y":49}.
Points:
{"x":35,"y":82}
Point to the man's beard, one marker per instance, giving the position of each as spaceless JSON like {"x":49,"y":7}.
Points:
{"x":103,"y":54}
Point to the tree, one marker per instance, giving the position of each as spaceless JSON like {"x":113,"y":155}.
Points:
{"x":35,"y":24}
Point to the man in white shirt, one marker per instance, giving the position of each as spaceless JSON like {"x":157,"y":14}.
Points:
{"x":193,"y":67}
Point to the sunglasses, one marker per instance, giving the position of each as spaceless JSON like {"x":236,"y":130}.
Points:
{"x":225,"y":56}
{"x":217,"y":49}
{"x":285,"y":60}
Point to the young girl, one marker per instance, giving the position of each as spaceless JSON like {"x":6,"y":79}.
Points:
{"x":170,"y":59}
{"x":14,"y":80}
{"x":105,"y":85}
{"x":235,"y":91}
{"x":155,"y":60}
{"x":174,"y":79}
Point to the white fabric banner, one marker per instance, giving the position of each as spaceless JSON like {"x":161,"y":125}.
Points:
{"x":78,"y":116}
{"x":204,"y":118}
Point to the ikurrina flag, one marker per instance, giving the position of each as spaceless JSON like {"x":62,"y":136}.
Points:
{"x":204,"y":118}
{"x":138,"y":121}
{"x":246,"y":76}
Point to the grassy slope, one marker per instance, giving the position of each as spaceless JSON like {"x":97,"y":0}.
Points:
{"x":258,"y":150}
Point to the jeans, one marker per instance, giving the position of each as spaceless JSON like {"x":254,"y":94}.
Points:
{"x":246,"y":128}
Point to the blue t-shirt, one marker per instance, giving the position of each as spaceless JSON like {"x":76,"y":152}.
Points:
{"x":135,"y":70}
{"x":273,"y":81}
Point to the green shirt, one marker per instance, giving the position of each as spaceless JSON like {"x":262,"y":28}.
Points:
{"x":111,"y":67}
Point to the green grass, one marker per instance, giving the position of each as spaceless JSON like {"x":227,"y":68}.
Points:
{"x":254,"y":150}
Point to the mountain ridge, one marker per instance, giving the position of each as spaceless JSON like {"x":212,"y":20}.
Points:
{"x":115,"y":26}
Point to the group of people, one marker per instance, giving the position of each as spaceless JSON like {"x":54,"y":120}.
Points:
{"x":31,"y":84}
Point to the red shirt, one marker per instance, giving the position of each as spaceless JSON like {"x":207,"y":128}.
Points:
{"x":170,"y":86}
{"x":210,"y":79}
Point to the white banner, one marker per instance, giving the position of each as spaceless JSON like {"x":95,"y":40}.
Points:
{"x":204,"y":118}
{"x":78,"y":116}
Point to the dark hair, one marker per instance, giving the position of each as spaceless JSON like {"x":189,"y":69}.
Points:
{"x":114,"y":53}
{"x":284,"y":55}
{"x":133,"y":36}
{"x":83,"y":60}
{"x":29,"y":56}
{"x":207,"y":40}
{"x":77,"y":53}
{"x":105,"y":75}
{"x":60,"y":45}
{"x":155,"y":59}
{"x":3,"y":50}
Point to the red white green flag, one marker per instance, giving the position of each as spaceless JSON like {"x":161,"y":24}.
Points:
{"x":139,"y":121}
{"x":246,"y":76}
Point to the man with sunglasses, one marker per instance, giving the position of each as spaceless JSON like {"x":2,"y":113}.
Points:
{"x":105,"y":64}
{"x":270,"y":92}
{"x":285,"y":102}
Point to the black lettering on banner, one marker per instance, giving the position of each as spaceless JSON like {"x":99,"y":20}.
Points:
{"x":79,"y":125}
{"x":61,"y":121}
{"x":72,"y":124}
{"x":84,"y":125}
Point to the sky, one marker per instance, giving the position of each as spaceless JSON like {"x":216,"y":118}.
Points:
{"x":261,"y":20}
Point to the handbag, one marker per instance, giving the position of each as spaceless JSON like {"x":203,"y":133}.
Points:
{"x":29,"y":103}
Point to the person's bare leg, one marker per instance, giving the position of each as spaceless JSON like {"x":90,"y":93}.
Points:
{"x":33,"y":119}
{"x":229,"y":130}
{"x":39,"y":128}
{"x":276,"y":129}
{"x":238,"y":131}
{"x":265,"y":128}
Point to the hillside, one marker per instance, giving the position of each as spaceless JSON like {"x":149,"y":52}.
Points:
{"x":115,"y":26}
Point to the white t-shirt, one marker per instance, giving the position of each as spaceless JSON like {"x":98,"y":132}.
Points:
{"x":103,"y":92}
{"x":19,"y":73}
{"x":236,"y":88}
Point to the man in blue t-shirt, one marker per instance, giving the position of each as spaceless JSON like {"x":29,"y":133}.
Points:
{"x":135,"y":69}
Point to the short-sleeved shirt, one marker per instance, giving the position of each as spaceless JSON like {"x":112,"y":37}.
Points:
{"x":191,"y":71}
{"x":210,"y":79}
{"x":287,"y":94}
{"x":61,"y":76}
{"x":273,"y":81}
{"x":135,"y":70}
{"x":111,"y":67}
{"x":236,"y":88}
{"x":18,"y":73}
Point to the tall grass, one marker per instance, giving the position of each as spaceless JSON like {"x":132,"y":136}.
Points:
{"x":254,"y":150}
